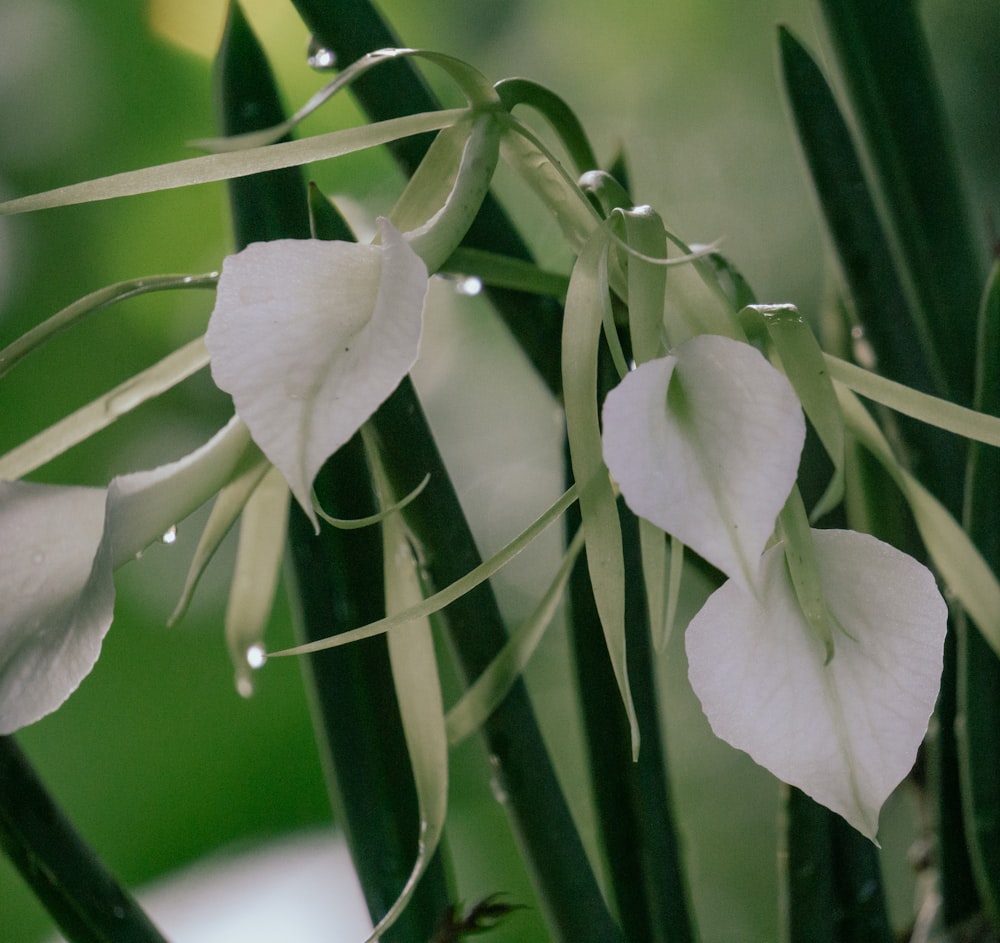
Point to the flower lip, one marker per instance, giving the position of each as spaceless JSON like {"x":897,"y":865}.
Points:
{"x":309,"y":337}
{"x":705,"y":444}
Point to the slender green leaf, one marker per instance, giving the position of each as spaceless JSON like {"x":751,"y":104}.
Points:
{"x":227,"y":508}
{"x":978,"y":710}
{"x":908,"y":144}
{"x":587,"y":305}
{"x":977,"y":426}
{"x":11,"y":355}
{"x":101,"y":412}
{"x":215,"y":167}
{"x":418,"y":691}
{"x":491,"y":687}
{"x":559,"y":115}
{"x":961,"y":566}
{"x":449,"y":594}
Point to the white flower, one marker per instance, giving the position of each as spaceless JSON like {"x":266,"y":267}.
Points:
{"x":310,"y":337}
{"x":845,"y":732}
{"x":60,"y":547}
{"x":705,"y":443}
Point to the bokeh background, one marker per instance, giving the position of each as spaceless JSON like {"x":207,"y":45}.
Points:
{"x":156,"y":758}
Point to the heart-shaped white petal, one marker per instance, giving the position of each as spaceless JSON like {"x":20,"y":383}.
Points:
{"x":845,"y":732}
{"x":59,"y":547}
{"x":705,"y":443}
{"x":50,"y":630}
{"x":310,"y":337}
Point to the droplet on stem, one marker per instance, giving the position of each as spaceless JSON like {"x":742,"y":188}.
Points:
{"x":319,"y":57}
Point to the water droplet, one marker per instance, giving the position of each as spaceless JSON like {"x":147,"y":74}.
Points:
{"x":469,"y":285}
{"x":256,"y":656}
{"x":319,"y":57}
{"x":170,"y":535}
{"x":863,"y":351}
{"x":497,"y":785}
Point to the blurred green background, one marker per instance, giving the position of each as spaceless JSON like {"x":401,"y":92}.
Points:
{"x":156,"y":758}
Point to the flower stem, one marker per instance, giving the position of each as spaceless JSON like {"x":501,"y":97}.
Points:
{"x":81,"y":894}
{"x":534,"y":801}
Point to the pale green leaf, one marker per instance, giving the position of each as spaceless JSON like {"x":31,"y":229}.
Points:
{"x":587,"y":302}
{"x":960,"y":420}
{"x":449,"y":594}
{"x":101,"y":412}
{"x":418,"y":691}
{"x":952,"y":552}
{"x":215,"y":167}
{"x":72,"y":314}
{"x":486,"y":693}
{"x":225,"y":511}
{"x":261,"y":548}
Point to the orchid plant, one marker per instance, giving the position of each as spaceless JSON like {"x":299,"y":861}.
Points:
{"x":819,"y":654}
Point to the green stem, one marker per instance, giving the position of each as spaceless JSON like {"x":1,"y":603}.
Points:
{"x":337,"y":576}
{"x":895,"y":98}
{"x":534,"y":801}
{"x":632,"y":799}
{"x":832,"y":888}
{"x":83,"y":897}
{"x":807,"y":884}
{"x":978,"y":708}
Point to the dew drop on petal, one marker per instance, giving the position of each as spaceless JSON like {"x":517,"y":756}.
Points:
{"x":169,"y":536}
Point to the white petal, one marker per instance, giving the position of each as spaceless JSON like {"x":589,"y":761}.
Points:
{"x":59,"y":547}
{"x":310,"y":337}
{"x":705,"y":443}
{"x":50,"y":629}
{"x":847,"y":732}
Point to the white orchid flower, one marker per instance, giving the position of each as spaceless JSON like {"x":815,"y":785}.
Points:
{"x":705,"y":444}
{"x":846,"y":731}
{"x":61,"y":545}
{"x":310,"y":337}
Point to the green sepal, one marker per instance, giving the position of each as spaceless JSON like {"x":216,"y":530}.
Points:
{"x":588,"y":305}
{"x":803,"y":363}
{"x":560,"y":116}
{"x":800,"y":557}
